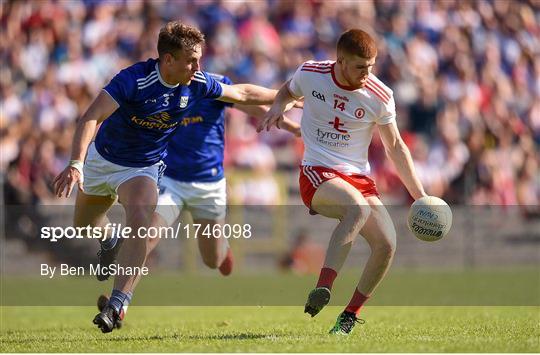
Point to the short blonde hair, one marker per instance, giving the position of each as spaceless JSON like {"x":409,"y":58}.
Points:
{"x":176,"y":36}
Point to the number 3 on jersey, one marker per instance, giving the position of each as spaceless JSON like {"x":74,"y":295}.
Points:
{"x":166,"y":102}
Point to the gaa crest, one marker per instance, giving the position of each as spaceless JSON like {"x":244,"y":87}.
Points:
{"x":359,"y":113}
{"x":328,"y":175}
{"x":183,"y":101}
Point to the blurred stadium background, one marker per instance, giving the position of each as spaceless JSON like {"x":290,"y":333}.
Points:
{"x":466,"y":78}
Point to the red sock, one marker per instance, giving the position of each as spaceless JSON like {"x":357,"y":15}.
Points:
{"x":326,"y":278}
{"x":356,"y":302}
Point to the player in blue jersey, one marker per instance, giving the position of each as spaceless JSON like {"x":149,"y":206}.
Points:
{"x":194,"y":178}
{"x":139,"y":110}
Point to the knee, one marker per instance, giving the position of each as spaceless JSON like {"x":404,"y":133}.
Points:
{"x":151,"y":244}
{"x":385,"y":248}
{"x":79,"y":222}
{"x":358,"y":213}
{"x":139,"y":213}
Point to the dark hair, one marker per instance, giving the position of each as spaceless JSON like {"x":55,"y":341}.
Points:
{"x":176,"y":36}
{"x":357,"y":42}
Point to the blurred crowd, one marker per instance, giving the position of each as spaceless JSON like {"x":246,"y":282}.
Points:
{"x":465,"y":75}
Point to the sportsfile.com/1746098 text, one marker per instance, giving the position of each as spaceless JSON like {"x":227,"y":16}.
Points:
{"x":194,"y":230}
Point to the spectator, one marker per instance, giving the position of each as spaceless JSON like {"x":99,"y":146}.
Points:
{"x":466,"y":76}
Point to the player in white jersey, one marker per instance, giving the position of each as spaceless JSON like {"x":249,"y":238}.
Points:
{"x":343,"y":102}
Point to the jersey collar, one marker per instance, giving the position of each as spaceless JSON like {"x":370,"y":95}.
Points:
{"x":161,"y":79}
{"x":344,"y":87}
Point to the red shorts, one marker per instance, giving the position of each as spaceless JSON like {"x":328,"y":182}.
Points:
{"x":311,"y":177}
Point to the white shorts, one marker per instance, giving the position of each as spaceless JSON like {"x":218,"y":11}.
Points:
{"x":102,"y":178}
{"x":205,"y":200}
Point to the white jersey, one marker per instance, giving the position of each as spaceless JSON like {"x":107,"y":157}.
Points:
{"x":337,"y":122}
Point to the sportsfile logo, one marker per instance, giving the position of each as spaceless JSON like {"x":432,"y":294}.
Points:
{"x":195,"y":230}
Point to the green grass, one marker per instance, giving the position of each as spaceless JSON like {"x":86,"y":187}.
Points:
{"x":479,"y":310}
{"x":401,"y":287}
{"x":273,"y":329}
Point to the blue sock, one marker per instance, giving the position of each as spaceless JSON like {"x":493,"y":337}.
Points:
{"x":119,"y":299}
{"x":109,"y":243}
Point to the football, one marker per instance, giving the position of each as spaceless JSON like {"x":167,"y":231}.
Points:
{"x":430,"y":218}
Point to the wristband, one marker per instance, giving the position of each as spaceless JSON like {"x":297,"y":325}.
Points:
{"x":77,"y":164}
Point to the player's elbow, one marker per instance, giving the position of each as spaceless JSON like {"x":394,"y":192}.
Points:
{"x":84,"y":120}
{"x":243,"y":97}
{"x":239,"y":94}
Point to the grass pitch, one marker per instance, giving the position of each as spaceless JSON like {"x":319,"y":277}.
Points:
{"x":273,"y":329}
{"x":494,"y":310}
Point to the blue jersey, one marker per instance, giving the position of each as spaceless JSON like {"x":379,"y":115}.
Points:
{"x":136,"y":134}
{"x":195,"y":152}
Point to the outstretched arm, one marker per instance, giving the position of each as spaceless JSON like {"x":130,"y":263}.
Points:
{"x":102,"y":107}
{"x":275,"y":115}
{"x":260,"y":111}
{"x":399,"y":153}
{"x":247,"y":94}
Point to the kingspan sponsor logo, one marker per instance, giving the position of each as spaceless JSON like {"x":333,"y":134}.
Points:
{"x":186,"y":121}
{"x":160,"y":120}
{"x":333,"y":139}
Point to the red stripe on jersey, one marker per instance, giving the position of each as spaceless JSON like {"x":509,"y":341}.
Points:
{"x":317,"y":65}
{"x":379,"y":91}
{"x":380,"y":88}
{"x":314,"y":62}
{"x":317,"y":71}
{"x":373,"y":90}
{"x":316,"y":68}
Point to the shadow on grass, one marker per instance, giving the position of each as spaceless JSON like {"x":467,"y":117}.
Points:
{"x":120,"y":338}
{"x":113,"y":338}
{"x":239,"y":336}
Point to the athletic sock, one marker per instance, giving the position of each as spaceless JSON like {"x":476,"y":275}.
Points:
{"x":356,"y":302}
{"x":326,"y":278}
{"x":120,"y":300}
{"x":225,"y":246}
{"x":126,"y":302}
